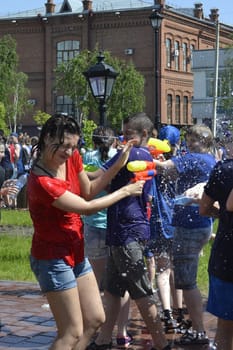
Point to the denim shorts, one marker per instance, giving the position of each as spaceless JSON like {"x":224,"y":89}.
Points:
{"x":126,"y":270}
{"x":95,"y":247}
{"x":55,"y":275}
{"x":220,"y":299}
{"x":187,"y":245}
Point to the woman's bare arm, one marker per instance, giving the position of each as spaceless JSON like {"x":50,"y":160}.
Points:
{"x":208,"y":207}
{"x":72,"y":203}
{"x":229,"y":203}
{"x":100,"y":178}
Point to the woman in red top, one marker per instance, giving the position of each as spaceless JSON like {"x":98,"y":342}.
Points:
{"x":59,"y":191}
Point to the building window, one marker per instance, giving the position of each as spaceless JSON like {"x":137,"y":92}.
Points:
{"x":209,"y":84}
{"x":168,"y":53}
{"x":176,"y":55}
{"x":185,"y":110}
{"x":192,"y":48}
{"x":169,"y":109}
{"x":185,"y":55}
{"x":67,"y":50}
{"x":177,"y":110}
{"x":64,"y":104}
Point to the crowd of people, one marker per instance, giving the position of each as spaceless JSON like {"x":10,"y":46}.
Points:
{"x":15,"y":161}
{"x":104,"y":232}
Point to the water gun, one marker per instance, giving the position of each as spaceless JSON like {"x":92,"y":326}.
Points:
{"x":157,"y":147}
{"x":142,"y":170}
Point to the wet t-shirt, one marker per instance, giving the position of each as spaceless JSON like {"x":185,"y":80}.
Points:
{"x":57,"y":234}
{"x":127,"y":220}
{"x":192,"y":169}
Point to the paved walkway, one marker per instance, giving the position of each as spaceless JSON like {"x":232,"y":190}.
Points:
{"x":27,"y":325}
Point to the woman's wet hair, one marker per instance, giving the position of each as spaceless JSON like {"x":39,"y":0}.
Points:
{"x":56,"y":127}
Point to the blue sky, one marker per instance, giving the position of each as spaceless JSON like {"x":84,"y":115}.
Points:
{"x":225,"y":6}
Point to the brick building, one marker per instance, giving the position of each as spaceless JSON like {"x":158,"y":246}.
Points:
{"x":58,"y":31}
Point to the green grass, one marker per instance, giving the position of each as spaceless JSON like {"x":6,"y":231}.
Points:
{"x":15,"y":248}
{"x":202,"y":277}
{"x":15,"y":217}
{"x":14,"y":258}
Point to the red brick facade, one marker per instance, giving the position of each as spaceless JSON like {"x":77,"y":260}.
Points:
{"x":117,"y":31}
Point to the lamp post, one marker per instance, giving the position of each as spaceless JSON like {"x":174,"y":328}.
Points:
{"x":101,"y":78}
{"x":156,"y":20}
{"x":215,"y":99}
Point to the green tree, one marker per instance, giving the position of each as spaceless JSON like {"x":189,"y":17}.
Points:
{"x":88,"y":126}
{"x":8,"y":65}
{"x":13,"y":91}
{"x":128,"y":92}
{"x":71,"y":82}
{"x":3,"y":125}
{"x":227,"y":86}
{"x":41,"y":117}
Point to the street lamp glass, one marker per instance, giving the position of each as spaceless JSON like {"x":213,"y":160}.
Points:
{"x":101,"y":87}
{"x":156,"y":19}
{"x":101,"y":78}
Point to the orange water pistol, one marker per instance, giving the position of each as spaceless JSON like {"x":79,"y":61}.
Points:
{"x":142,"y":170}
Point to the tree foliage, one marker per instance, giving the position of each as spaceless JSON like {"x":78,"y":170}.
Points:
{"x":227,"y":86}
{"x":128,"y":92}
{"x":41,"y":117}
{"x":13,"y":91}
{"x":3,"y":125}
{"x":88,"y":126}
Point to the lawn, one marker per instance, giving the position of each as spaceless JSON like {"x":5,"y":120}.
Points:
{"x":15,"y":248}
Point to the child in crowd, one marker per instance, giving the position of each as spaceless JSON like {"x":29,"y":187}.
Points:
{"x":191,"y":230}
{"x":162,"y":232}
{"x":95,"y":225}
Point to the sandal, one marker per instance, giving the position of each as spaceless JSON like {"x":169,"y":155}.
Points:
{"x":192,"y":337}
{"x":124,"y":341}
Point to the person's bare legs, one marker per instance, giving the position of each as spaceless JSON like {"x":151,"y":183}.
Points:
{"x":163,"y":280}
{"x":224,"y":334}
{"x":112,"y":309}
{"x":150,"y":262}
{"x":98,"y":266}
{"x":65,"y":307}
{"x":78,"y":314}
{"x":177,"y":300}
{"x":123,"y":317}
{"x":177,"y":294}
{"x":148,"y":310}
{"x":149,"y":314}
{"x":92,"y":308}
{"x":193,"y":301}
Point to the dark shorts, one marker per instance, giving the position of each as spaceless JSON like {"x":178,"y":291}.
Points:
{"x":126,"y":271}
{"x":220,"y":299}
{"x":160,"y":246}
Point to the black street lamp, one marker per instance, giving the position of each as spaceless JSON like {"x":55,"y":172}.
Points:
{"x":101,"y":78}
{"x":156,"y":20}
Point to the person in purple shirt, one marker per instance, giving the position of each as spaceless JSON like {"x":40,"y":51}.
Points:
{"x":128,"y":230}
